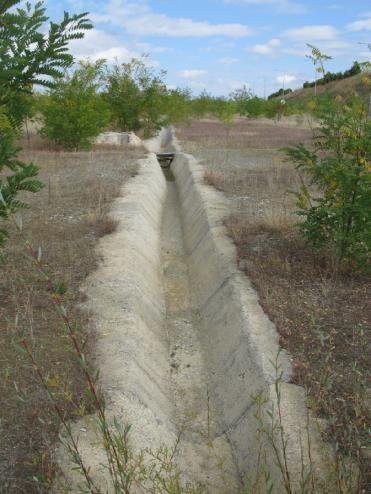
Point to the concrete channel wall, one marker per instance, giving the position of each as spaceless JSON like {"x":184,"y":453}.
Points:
{"x":126,"y":301}
{"x":238,"y":342}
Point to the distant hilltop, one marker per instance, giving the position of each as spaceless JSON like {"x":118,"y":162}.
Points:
{"x":359,"y":84}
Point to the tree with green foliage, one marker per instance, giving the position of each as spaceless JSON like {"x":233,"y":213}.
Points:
{"x":356,"y":68}
{"x":281,"y":92}
{"x":74,"y":112}
{"x":255,"y":107}
{"x":202,"y":104}
{"x":340,"y":169}
{"x":178,"y":105}
{"x":136,"y":93}
{"x":241,"y":97}
{"x":27,"y":57}
{"x":224,"y":109}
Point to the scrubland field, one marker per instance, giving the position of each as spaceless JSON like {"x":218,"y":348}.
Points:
{"x":322,"y":312}
{"x":66,"y":219}
{"x":191,"y":398}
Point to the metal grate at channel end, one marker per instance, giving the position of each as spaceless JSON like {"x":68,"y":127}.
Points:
{"x":165,"y":159}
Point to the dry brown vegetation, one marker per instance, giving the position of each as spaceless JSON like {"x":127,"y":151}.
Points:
{"x":244,"y":133}
{"x":358,"y":84}
{"x":323,"y":314}
{"x":65,"y":220}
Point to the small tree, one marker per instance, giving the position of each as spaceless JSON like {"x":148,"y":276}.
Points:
{"x":202,"y":104}
{"x":317,"y":58}
{"x":27,"y":57}
{"x":178,"y":105}
{"x":153,"y":102}
{"x":241,"y":97}
{"x":74,"y":112}
{"x":136,"y":96}
{"x":339,"y":167}
{"x":224,"y":109}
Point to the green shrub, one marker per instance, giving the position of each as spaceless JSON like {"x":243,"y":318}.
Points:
{"x":201,"y":105}
{"x":136,"y":95}
{"x":224,"y":109}
{"x":255,"y":107}
{"x":355,"y":69}
{"x":339,"y":168}
{"x":178,"y":106}
{"x":280,"y":93}
{"x":74,"y":112}
{"x":28,"y":56}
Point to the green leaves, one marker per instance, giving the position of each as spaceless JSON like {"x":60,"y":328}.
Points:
{"x":27,"y":57}
{"x":339,"y":169}
{"x":137,"y":96}
{"x":21,"y":178}
{"x":74,"y":112}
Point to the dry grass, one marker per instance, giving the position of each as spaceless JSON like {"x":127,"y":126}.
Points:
{"x":358,"y":84}
{"x":260,"y":193}
{"x":323,"y":315}
{"x":323,"y":318}
{"x":245,"y":133}
{"x":66,"y":219}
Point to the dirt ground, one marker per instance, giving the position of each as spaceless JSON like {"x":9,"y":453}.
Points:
{"x":66,"y":219}
{"x":323,"y":315}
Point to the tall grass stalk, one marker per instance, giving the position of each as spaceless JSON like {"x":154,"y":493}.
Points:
{"x":110,"y":443}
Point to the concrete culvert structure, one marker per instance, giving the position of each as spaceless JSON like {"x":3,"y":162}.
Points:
{"x":183,"y":345}
{"x":119,"y":139}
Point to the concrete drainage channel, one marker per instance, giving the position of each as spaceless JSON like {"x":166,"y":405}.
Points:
{"x":183,"y":345}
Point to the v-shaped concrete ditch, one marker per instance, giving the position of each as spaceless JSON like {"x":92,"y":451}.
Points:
{"x":183,"y":345}
{"x":206,"y":454}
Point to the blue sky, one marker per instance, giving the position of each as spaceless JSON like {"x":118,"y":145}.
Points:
{"x":220,"y":45}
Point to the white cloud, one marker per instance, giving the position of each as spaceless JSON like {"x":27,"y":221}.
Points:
{"x":119,"y":53}
{"x":293,"y":42}
{"x":98,"y":44}
{"x":218,"y":86}
{"x":362,"y":25}
{"x":191,"y":74}
{"x":311,"y":33}
{"x":269,"y":48}
{"x":140,"y":20}
{"x":228,"y":60}
{"x":334,"y":48}
{"x":161,"y":25}
{"x":286,"y":79}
